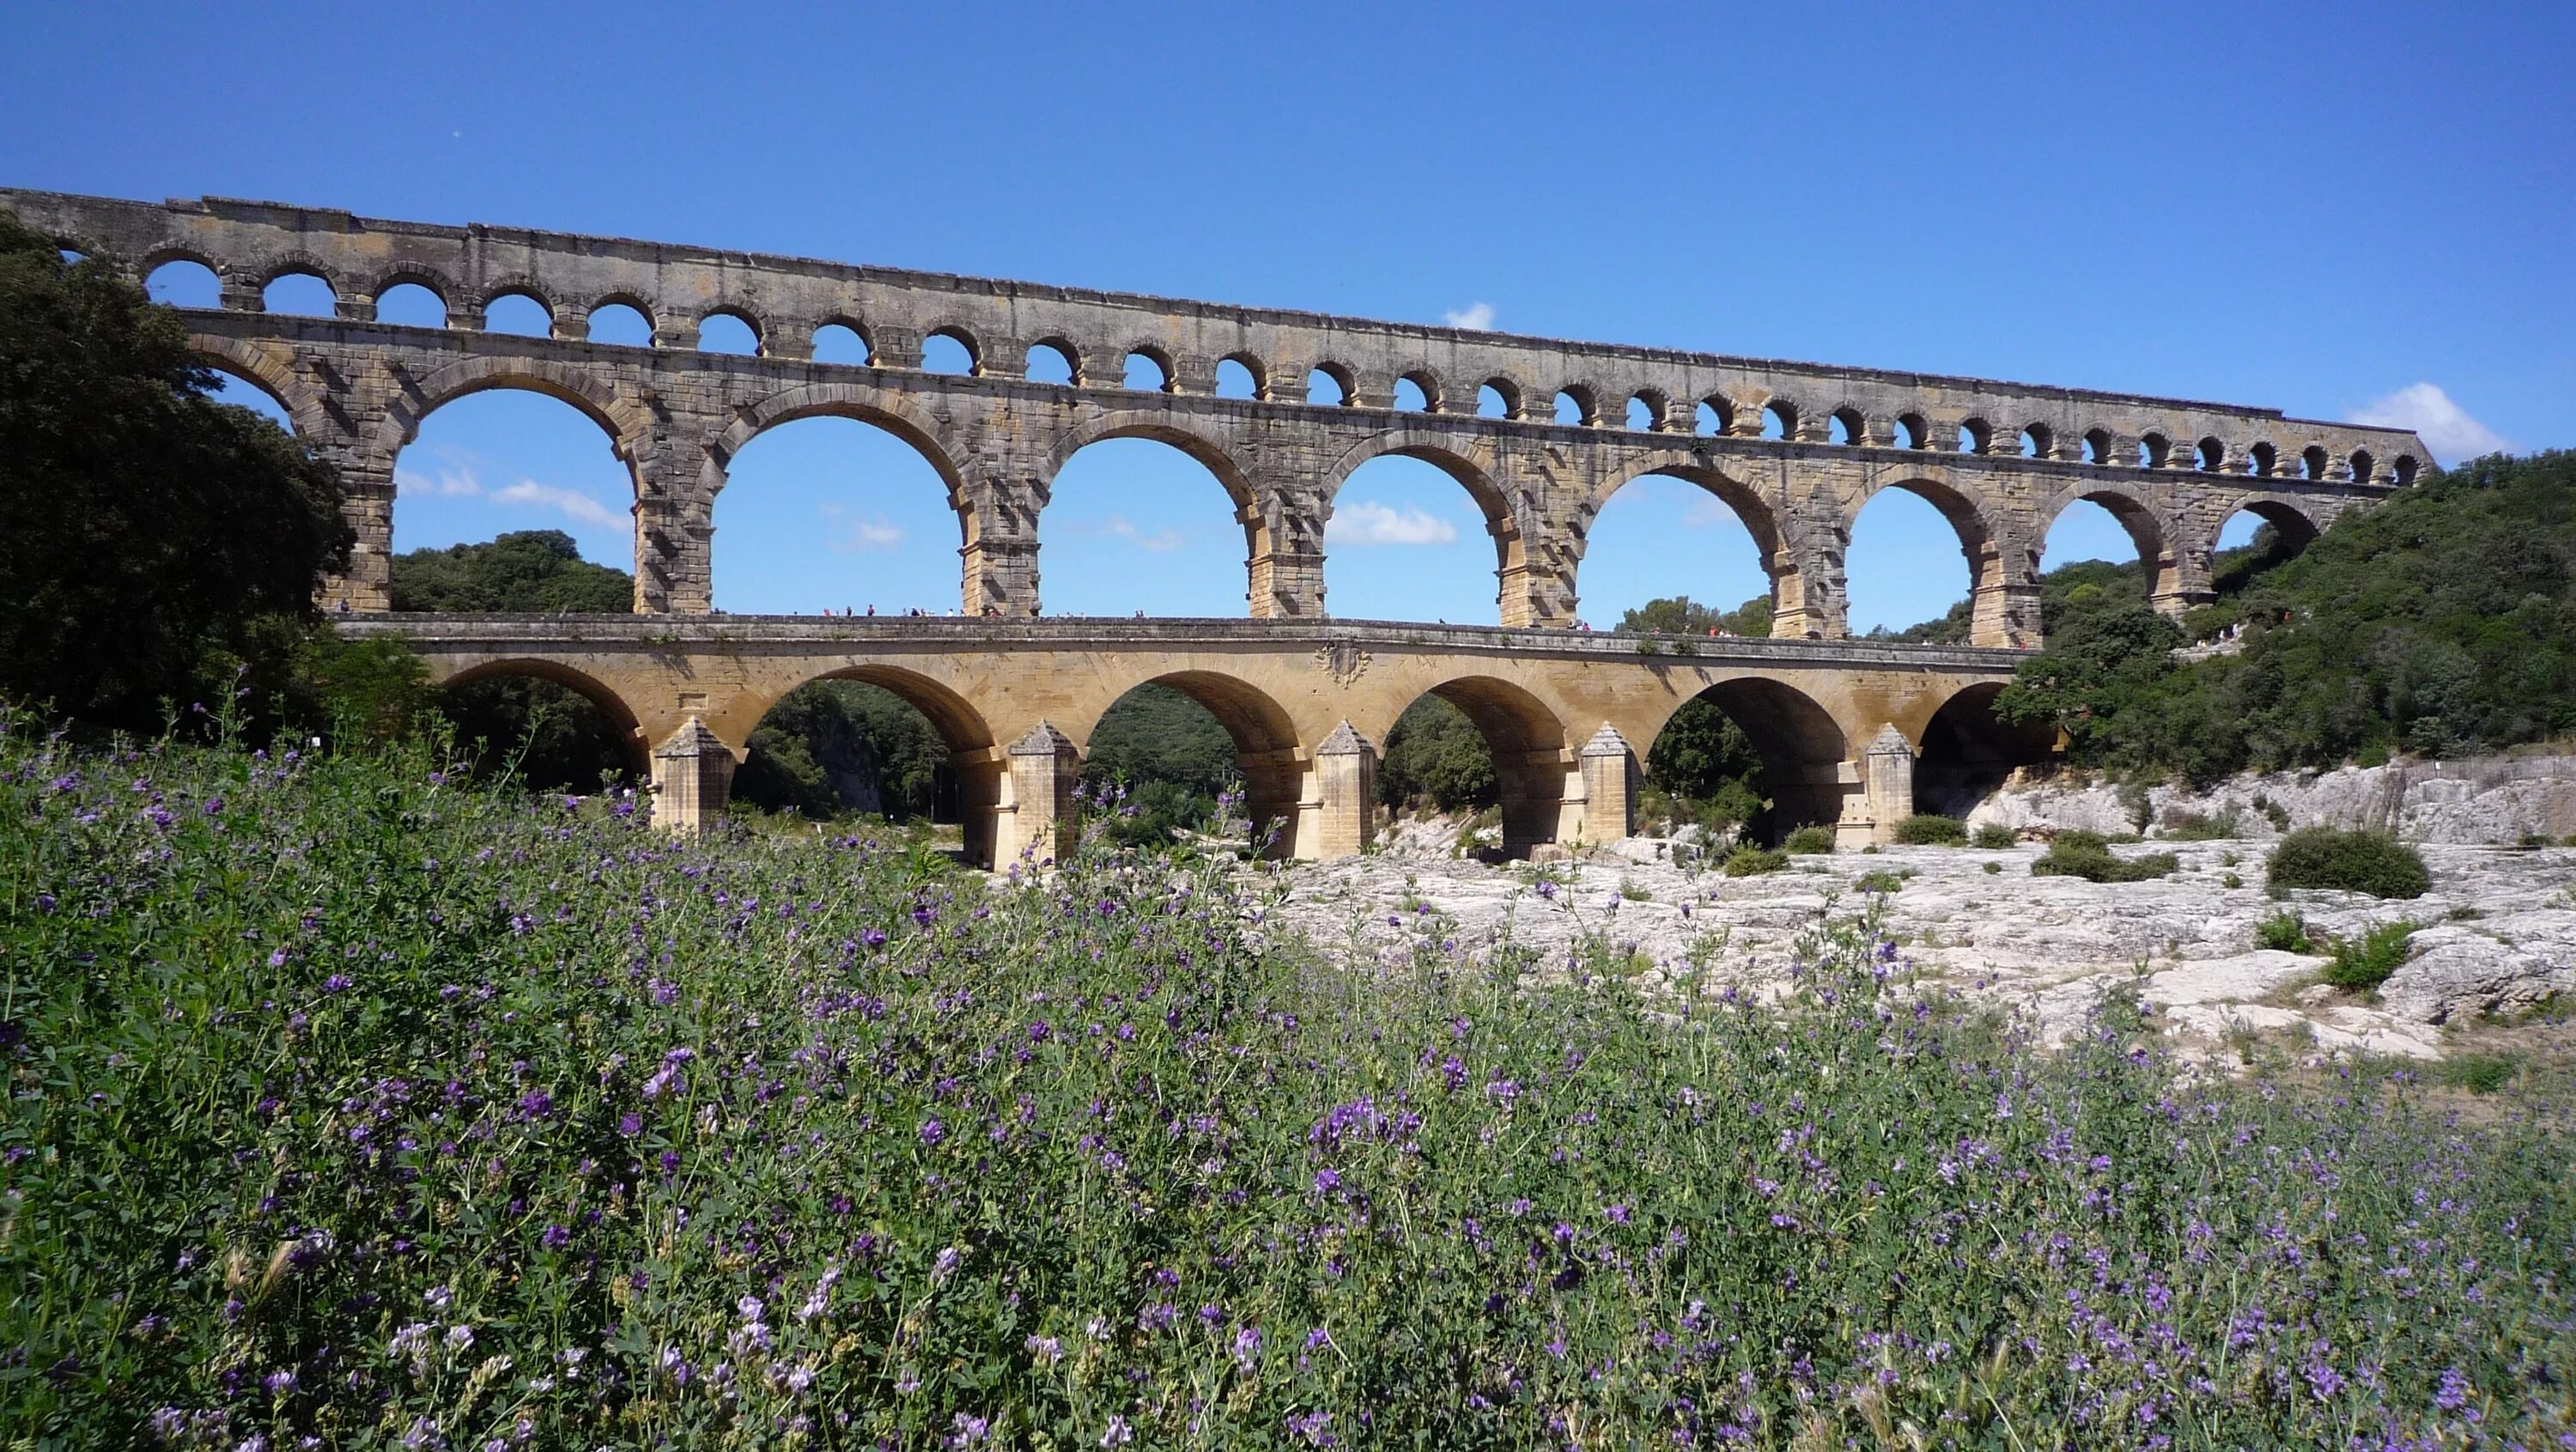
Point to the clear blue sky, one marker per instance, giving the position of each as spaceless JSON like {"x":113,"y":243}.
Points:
{"x":2314,"y":207}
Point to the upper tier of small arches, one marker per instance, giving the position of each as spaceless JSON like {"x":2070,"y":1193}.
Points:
{"x":1864,"y":412}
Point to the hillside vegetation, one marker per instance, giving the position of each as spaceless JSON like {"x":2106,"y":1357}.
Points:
{"x":356,"y":1102}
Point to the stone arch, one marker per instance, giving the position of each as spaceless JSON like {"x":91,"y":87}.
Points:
{"x":1155,"y":353}
{"x":1586,"y":400}
{"x":957,"y":330}
{"x":1266,"y":744}
{"x":1855,"y":424}
{"x":644,"y":308}
{"x":1658,"y":406}
{"x":1763,"y":523}
{"x":264,"y":367}
{"x":973,"y":757}
{"x":169,"y":252}
{"x":893,"y":412}
{"x":1253,"y":366}
{"x":1515,"y":399}
{"x":1064,"y":347}
{"x":1262,"y":532}
{"x":849,"y":320}
{"x":624,"y":420}
{"x":2149,"y":528}
{"x":1434,"y":399}
{"x":1526,"y":738}
{"x":520,"y":284}
{"x":2292,"y":517}
{"x":1801,"y":744}
{"x":2003,"y":596}
{"x":1345,"y":381}
{"x":754,"y":322}
{"x":1472,"y":468}
{"x":298,"y":262}
{"x":615,"y":707}
{"x":417,"y":274}
{"x":1963,"y":754}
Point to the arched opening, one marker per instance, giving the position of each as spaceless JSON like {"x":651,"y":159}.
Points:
{"x":1968,"y":754}
{"x":840,"y":343}
{"x":1849,"y":427}
{"x":1975,"y":436}
{"x":1050,"y":362}
{"x":2363,"y":467}
{"x":1497,"y":398}
{"x":1911,"y":431}
{"x":506,"y":462}
{"x":1915,"y":550}
{"x":1779,"y":419}
{"x":1646,"y":411}
{"x":2035,"y":441}
{"x":1236,"y":378}
{"x":2404,"y":469}
{"x":2312,"y":462}
{"x":951,"y":351}
{"x":728,"y":332}
{"x":554,"y":728}
{"x":232,"y":388}
{"x":1749,"y":754}
{"x":1417,"y":539}
{"x":1138,"y":525}
{"x":621,"y":324}
{"x":185,"y":283}
{"x":1679,"y":552}
{"x":1574,"y":405}
{"x":411,"y":305}
{"x":1147,"y":373}
{"x":2255,"y":539}
{"x":1409,"y":397}
{"x":1179,"y":742}
{"x":876,"y":742}
{"x":2213,"y":456}
{"x":519,"y":314}
{"x":303,"y":294}
{"x":2154,"y":451}
{"x":1328,"y":384}
{"x":1713,"y":417}
{"x":832,"y":514}
{"x":2097,"y":446}
{"x":2267,"y":460}
{"x":1482,"y":747}
{"x":2101,"y":549}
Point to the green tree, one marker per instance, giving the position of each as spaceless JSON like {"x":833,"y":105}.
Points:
{"x":535,"y":570}
{"x":1681,"y":615}
{"x":153,"y":542}
{"x":1435,"y":754}
{"x":831,"y":747}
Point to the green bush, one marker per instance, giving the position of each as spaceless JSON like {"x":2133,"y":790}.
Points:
{"x":2284,"y":931}
{"x":2478,"y":1073}
{"x":2197,"y":827}
{"x":1807,"y":841}
{"x":2324,"y":857}
{"x":1927,"y":830}
{"x":2366,"y":961}
{"x":1753,"y":861}
{"x":1881,"y":881}
{"x":1994,"y":837}
{"x":1994,"y":867}
{"x":2088,"y":855}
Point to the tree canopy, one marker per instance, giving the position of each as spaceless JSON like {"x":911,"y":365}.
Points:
{"x":153,"y":541}
{"x":539,"y":570}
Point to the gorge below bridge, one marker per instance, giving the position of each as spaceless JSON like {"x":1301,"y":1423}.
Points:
{"x":1281,"y":407}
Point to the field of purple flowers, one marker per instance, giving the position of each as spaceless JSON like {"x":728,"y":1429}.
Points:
{"x":353,"y":1105}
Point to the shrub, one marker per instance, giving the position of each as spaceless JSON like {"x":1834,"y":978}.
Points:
{"x":2088,"y":855}
{"x":2372,"y":862}
{"x":2365,"y":962}
{"x":1809,"y":840}
{"x":2197,"y":827}
{"x":1926,"y":830}
{"x":2478,"y":1073}
{"x":2284,"y":931}
{"x":1994,"y":867}
{"x":1753,"y":861}
{"x":1994,"y":837}
{"x":1880,"y":881}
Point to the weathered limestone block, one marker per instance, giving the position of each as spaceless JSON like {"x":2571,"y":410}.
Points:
{"x":1039,"y":822}
{"x":692,"y":778}
{"x":1609,"y":786}
{"x":1346,"y":792}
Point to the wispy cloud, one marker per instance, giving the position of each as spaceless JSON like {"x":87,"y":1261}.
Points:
{"x":1367,"y":522}
{"x":459,"y":480}
{"x":1120,"y":527}
{"x":1476,"y":318}
{"x":859,"y":534}
{"x":2447,"y":428}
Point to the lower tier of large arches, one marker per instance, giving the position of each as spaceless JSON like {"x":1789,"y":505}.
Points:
{"x":1847,"y":741}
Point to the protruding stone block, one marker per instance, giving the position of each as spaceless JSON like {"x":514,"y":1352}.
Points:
{"x":1346,"y":786}
{"x":692,"y":778}
{"x":1609,"y":786}
{"x":1039,"y":823}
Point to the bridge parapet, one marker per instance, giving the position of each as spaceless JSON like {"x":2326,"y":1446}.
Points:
{"x":1998,"y":459}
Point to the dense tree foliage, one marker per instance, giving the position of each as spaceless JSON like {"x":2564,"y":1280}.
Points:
{"x":2441,"y":621}
{"x":156,"y":546}
{"x":1436,"y":757}
{"x":1171,"y":757}
{"x":530,"y":570}
{"x":844,"y":746}
{"x":1681,"y":615}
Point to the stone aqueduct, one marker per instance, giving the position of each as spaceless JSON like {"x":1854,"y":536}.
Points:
{"x":1795,"y":450}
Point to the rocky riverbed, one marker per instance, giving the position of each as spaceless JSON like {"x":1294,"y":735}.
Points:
{"x":2497,"y":933}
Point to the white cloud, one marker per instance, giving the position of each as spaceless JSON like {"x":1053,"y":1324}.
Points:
{"x":1366,"y":522}
{"x":2447,"y":428}
{"x":862,"y":535}
{"x":572,"y":503}
{"x":1478,"y":318}
{"x":1122,"y":528}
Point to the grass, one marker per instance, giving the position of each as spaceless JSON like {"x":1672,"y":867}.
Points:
{"x":357,"y":1103}
{"x":2284,"y":931}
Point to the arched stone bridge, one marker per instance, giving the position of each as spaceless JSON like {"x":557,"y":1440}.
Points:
{"x":1999,"y":460}
{"x":1849,"y":730}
